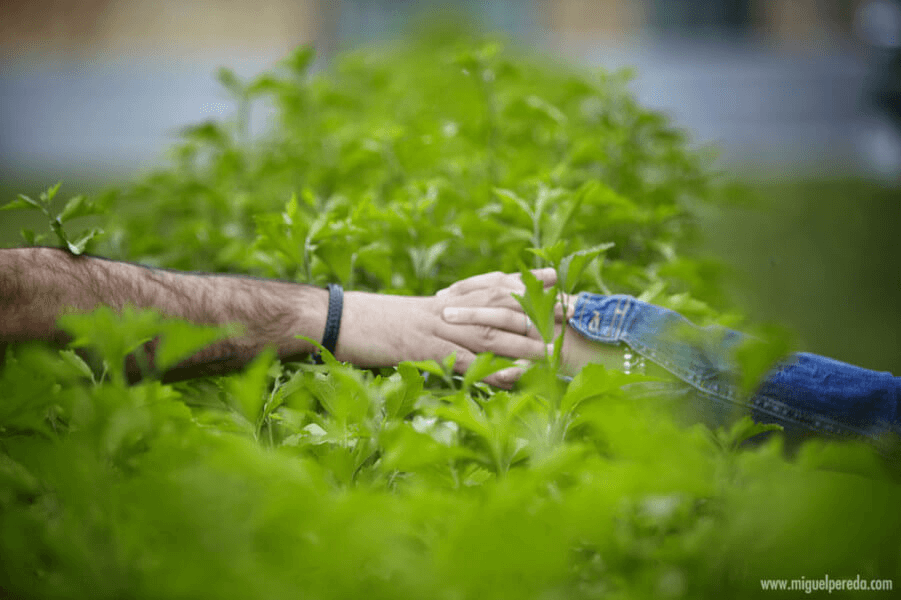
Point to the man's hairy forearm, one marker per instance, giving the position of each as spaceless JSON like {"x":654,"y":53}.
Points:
{"x":37,"y":285}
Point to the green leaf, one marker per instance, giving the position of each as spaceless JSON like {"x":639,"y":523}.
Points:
{"x":573,"y":265}
{"x":538,"y":304}
{"x":429,"y":366}
{"x":23,"y":202}
{"x":71,"y":358}
{"x":509,"y":197}
{"x":265,"y":84}
{"x":401,"y":398}
{"x":78,"y":206}
{"x":114,"y":335}
{"x":593,"y":381}
{"x":83,"y":240}
{"x":181,"y":339}
{"x":425,"y":259}
{"x":552,"y":255}
{"x":557,"y":222}
{"x":742,"y":430}
{"x":248,"y":389}
{"x":410,"y":449}
{"x":291,"y":214}
{"x":299,"y":61}
{"x":210,"y":133}
{"x":448,"y":363}
{"x":327,"y":357}
{"x":230,"y":81}
{"x":464,"y":411}
{"x":47,"y":197}
{"x":484,"y":365}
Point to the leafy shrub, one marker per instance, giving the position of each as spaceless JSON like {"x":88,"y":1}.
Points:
{"x":403,"y":169}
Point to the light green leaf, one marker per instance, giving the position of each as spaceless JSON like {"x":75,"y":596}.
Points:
{"x":299,"y":60}
{"x":81,"y":243}
{"x":510,"y":197}
{"x":248,"y":389}
{"x":47,"y":197}
{"x":400,"y":399}
{"x":464,"y":411}
{"x":23,"y":202}
{"x":552,"y":255}
{"x":76,"y":207}
{"x":71,"y":358}
{"x":484,"y":365}
{"x":538,"y":304}
{"x":429,"y":366}
{"x":230,"y":81}
{"x":573,"y":265}
{"x":181,"y":339}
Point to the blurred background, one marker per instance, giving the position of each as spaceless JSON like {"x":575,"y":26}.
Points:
{"x":802,"y":97}
{"x":92,"y":87}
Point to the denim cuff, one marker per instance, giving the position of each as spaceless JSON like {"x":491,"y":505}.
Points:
{"x":804,"y":391}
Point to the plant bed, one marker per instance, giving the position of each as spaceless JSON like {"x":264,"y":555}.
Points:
{"x":402,"y":169}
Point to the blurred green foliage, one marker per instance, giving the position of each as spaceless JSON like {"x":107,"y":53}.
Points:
{"x":821,"y":256}
{"x":403,"y":169}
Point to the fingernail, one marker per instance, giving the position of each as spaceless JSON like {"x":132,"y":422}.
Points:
{"x":451,"y":315}
{"x":550,"y":348}
{"x":509,"y":375}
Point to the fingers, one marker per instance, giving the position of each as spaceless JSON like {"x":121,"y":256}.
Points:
{"x":499,"y":311}
{"x":506,"y":319}
{"x":505,"y":378}
{"x":480,"y":338}
{"x":510,"y":281}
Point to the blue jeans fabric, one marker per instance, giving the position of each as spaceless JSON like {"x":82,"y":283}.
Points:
{"x":805,"y":393}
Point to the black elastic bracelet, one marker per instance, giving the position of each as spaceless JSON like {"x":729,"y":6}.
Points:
{"x":333,"y":320}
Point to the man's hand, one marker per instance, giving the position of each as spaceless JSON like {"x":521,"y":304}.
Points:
{"x":379,"y":330}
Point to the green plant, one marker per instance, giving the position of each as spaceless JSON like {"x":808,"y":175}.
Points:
{"x":403,"y":169}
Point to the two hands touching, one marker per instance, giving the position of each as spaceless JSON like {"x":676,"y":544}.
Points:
{"x":474,"y":315}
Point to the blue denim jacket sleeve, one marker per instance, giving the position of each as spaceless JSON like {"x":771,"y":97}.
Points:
{"x":804,"y":393}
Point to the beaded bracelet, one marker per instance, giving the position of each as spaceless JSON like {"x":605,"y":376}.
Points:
{"x":633,"y":362}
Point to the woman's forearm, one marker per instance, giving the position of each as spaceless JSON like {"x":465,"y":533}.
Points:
{"x":37,"y":285}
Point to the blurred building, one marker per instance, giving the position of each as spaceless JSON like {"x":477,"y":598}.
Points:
{"x":101,"y":85}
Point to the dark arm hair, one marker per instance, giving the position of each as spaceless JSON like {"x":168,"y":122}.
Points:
{"x":37,"y":285}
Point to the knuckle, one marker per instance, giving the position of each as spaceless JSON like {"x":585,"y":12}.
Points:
{"x":499,"y":295}
{"x":487,"y":334}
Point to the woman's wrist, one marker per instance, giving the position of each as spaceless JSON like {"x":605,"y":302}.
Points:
{"x":579,"y":351}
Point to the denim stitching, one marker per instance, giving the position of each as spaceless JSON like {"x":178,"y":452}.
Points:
{"x":778,"y":410}
{"x":619,"y":316}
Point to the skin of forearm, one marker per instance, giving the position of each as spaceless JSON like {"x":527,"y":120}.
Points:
{"x":37,"y":285}
{"x":579,"y":351}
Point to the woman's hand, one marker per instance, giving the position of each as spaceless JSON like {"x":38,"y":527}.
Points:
{"x":510,"y":318}
{"x":380,"y":330}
